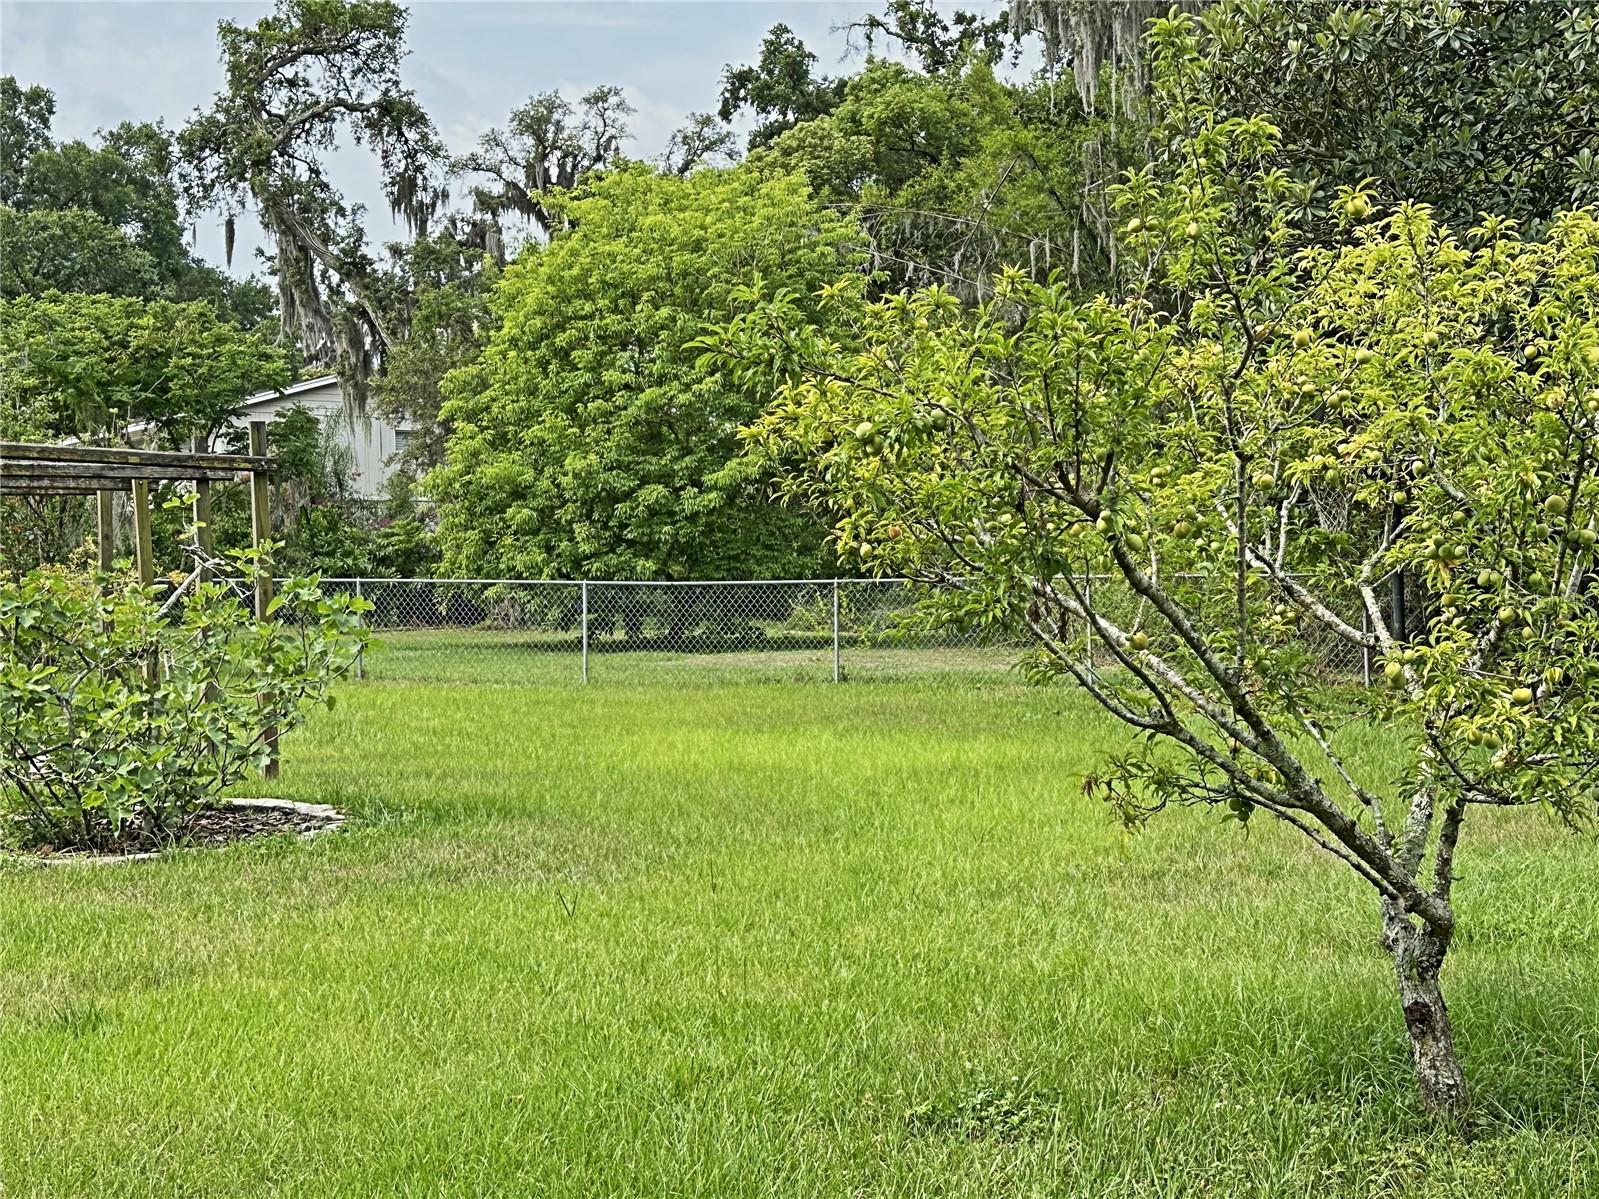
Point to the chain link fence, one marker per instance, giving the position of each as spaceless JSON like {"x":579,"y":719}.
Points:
{"x":504,"y":631}
{"x":804,"y":630}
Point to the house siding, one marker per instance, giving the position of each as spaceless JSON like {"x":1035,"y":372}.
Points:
{"x":371,"y":440}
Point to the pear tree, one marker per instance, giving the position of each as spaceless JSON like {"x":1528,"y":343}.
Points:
{"x":1253,"y":442}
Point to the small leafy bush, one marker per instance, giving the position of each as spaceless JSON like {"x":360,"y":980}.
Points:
{"x":119,"y":721}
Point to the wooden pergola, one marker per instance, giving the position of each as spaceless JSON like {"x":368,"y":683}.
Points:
{"x":103,"y":471}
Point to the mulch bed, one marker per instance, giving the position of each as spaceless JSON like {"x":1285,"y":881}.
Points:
{"x":231,"y":821}
{"x":243,"y":819}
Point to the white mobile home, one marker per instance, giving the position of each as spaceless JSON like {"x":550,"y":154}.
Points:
{"x":372,"y":441}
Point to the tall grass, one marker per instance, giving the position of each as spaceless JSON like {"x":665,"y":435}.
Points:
{"x":796,"y":940}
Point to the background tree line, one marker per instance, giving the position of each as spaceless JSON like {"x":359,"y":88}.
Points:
{"x":537,"y":329}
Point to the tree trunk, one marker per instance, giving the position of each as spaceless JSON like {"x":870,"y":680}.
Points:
{"x":1418,"y":955}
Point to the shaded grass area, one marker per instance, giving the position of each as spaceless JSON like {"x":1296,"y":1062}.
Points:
{"x":770,"y":940}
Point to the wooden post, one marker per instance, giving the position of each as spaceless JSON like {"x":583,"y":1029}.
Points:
{"x":104,"y":515}
{"x":143,"y":553}
{"x":144,"y":559}
{"x":203,"y":541}
{"x":202,"y":517}
{"x":260,"y":531}
{"x":105,"y":537}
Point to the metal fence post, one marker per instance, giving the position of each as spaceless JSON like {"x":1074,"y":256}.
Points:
{"x":1365,"y":650}
{"x":1088,"y":624}
{"x":836,"y":672}
{"x":360,"y":654}
{"x":585,"y":607}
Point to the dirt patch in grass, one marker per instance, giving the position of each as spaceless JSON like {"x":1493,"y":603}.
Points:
{"x":232,"y":820}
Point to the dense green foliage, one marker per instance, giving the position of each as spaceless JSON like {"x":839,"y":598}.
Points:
{"x":25,"y":117}
{"x":444,"y":283}
{"x":955,"y":175}
{"x":101,"y":218}
{"x":118,"y":723}
{"x":107,"y":319}
{"x":586,"y":440}
{"x":126,"y":181}
{"x":1472,"y":107}
{"x":779,"y":89}
{"x":70,"y":250}
{"x":81,"y":364}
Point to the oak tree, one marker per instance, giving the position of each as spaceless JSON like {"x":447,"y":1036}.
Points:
{"x":299,"y":80}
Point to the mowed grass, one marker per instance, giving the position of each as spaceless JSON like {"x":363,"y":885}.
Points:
{"x":771,"y":940}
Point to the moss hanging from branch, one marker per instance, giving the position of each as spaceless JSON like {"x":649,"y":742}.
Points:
{"x":299,"y":81}
{"x":1090,"y":35}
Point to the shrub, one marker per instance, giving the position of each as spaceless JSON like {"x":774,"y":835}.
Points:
{"x":120,"y":720}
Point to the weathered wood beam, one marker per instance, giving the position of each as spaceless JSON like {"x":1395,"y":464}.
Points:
{"x":179,"y":461}
{"x":27,"y":468}
{"x":28,"y":485}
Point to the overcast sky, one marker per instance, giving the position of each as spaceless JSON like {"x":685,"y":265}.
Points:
{"x":471,"y":62}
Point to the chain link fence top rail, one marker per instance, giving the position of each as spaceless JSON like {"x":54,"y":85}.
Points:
{"x":797,"y":630}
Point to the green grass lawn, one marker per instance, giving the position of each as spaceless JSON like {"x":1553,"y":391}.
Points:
{"x":498,"y":656}
{"x":786,"y":939}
